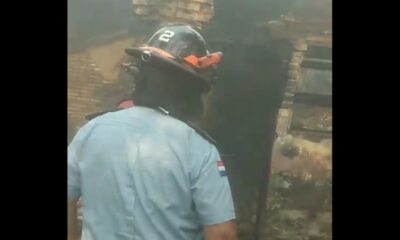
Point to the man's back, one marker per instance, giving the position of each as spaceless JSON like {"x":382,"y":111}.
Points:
{"x":146,"y":176}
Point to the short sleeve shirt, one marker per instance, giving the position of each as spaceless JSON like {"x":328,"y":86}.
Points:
{"x":144,"y":175}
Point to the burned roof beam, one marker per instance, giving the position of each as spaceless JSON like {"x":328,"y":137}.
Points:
{"x":317,"y":63}
{"x":313,"y":99}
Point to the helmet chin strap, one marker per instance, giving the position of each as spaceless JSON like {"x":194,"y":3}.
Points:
{"x":131,"y":68}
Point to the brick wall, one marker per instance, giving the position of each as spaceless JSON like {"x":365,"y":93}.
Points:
{"x":197,"y":12}
{"x":83,"y":79}
{"x":93,"y":81}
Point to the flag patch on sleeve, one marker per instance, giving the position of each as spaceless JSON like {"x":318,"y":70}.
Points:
{"x":221,"y":168}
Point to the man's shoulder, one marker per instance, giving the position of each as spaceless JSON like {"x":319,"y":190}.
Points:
{"x":157,"y":120}
{"x":148,"y":118}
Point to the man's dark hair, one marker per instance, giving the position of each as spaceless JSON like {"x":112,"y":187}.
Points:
{"x":175,"y":91}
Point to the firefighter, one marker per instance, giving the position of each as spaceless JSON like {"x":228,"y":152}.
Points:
{"x":147,"y":172}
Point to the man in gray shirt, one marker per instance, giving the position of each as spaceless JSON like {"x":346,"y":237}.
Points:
{"x":147,"y":172}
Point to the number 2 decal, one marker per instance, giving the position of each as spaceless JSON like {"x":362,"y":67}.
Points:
{"x":166,"y":36}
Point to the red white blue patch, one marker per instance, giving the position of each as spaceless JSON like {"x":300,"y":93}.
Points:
{"x":221,"y":168}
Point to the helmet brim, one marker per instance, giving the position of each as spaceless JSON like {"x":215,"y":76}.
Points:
{"x":157,"y":59}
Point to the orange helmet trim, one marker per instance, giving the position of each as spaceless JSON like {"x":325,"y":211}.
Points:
{"x":204,"y":62}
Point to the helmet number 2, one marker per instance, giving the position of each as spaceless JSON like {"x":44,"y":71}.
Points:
{"x":166,"y":36}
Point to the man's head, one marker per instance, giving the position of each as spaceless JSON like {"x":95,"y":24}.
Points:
{"x":175,"y":70}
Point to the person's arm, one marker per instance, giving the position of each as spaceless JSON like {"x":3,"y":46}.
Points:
{"x":222,"y":231}
{"x":211,"y":193}
{"x":74,"y":184}
{"x":72,"y":220}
